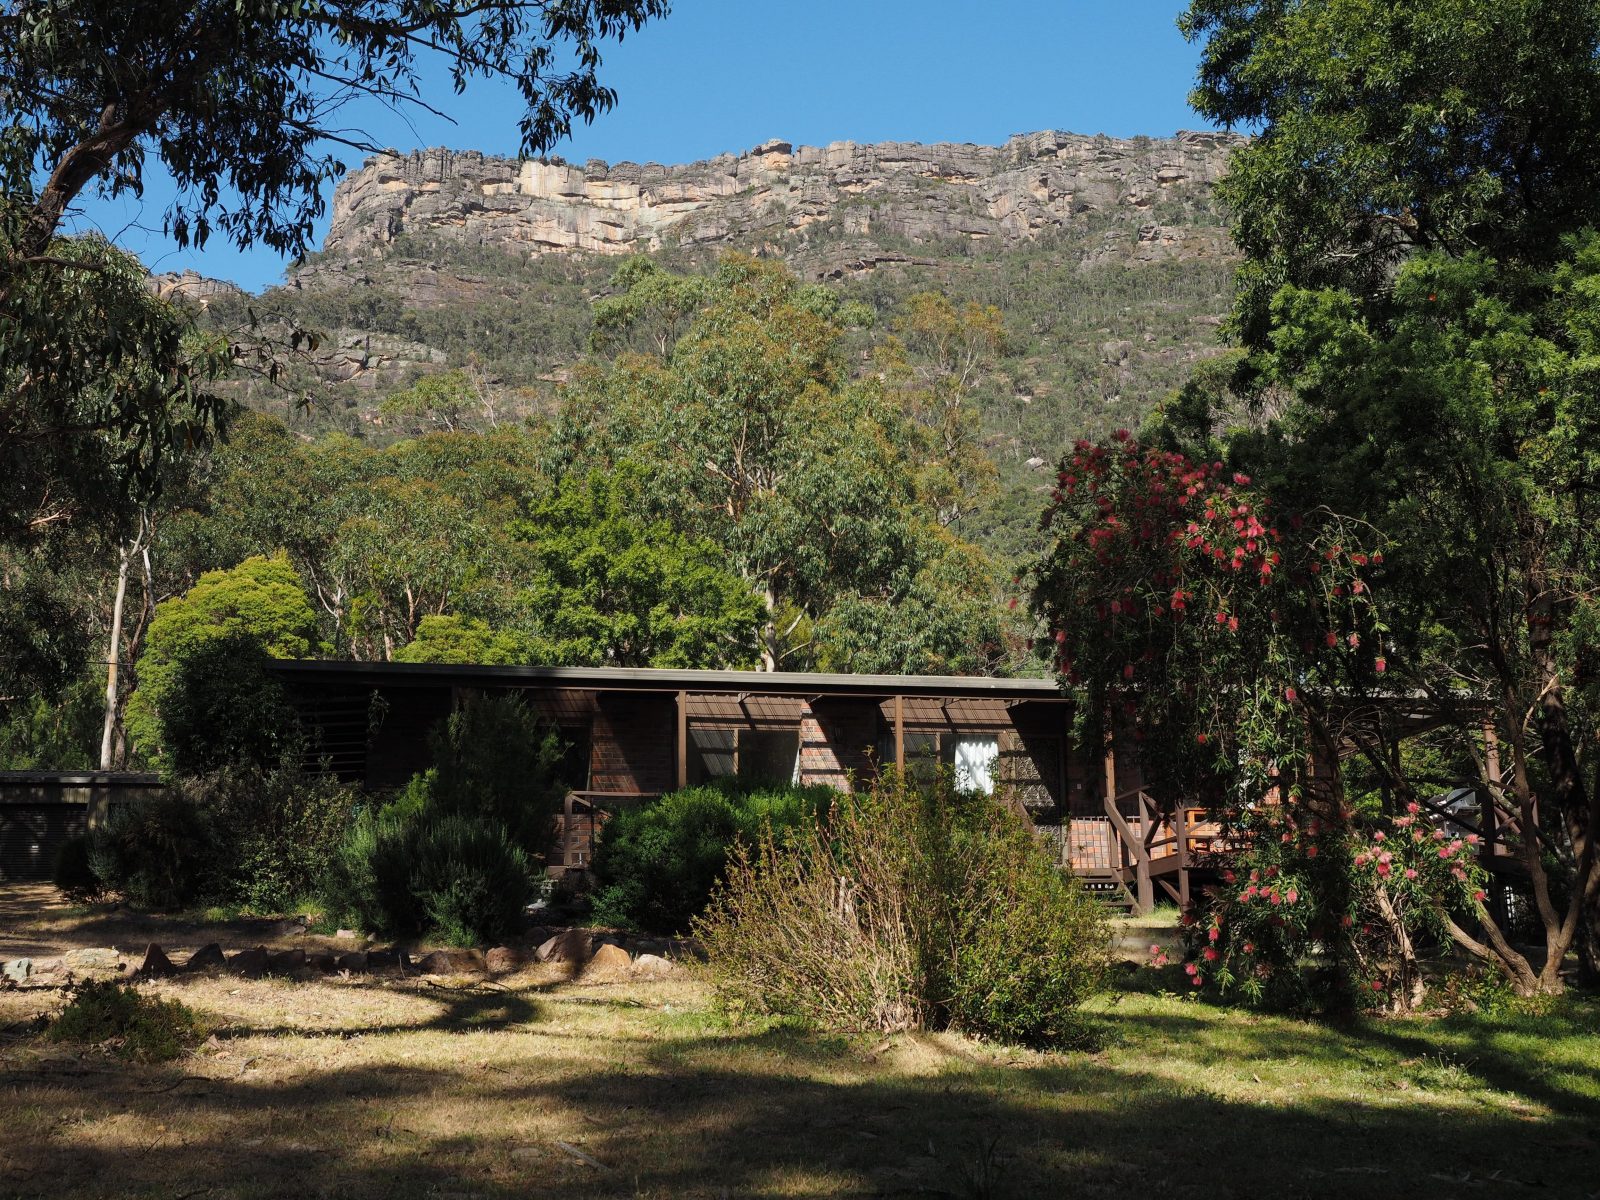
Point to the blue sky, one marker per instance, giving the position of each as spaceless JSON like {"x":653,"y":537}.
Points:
{"x":725,"y":75}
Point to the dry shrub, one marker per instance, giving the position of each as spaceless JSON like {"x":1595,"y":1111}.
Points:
{"x":911,"y":907}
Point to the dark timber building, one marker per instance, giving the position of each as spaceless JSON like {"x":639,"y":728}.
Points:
{"x":633,"y":734}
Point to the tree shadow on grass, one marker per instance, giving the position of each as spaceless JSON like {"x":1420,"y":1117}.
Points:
{"x":780,"y":1112}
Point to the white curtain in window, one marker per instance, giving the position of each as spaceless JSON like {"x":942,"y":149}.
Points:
{"x":974,"y":764}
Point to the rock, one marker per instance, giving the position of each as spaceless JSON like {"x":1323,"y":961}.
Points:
{"x":654,"y":964}
{"x":156,"y":964}
{"x":323,"y":960}
{"x":610,"y":957}
{"x":92,"y":962}
{"x":452,"y":962}
{"x":1029,"y":188}
{"x":346,"y":933}
{"x":207,"y":958}
{"x":572,"y":945}
{"x":354,"y":961}
{"x":387,"y":960}
{"x":503,"y":959}
{"x":17,"y":970}
{"x":286,"y":962}
{"x":250,"y":964}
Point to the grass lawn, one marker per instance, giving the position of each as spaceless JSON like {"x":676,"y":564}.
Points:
{"x":543,"y":1084}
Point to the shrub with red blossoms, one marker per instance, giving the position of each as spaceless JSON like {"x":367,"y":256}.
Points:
{"x":1177,"y":600}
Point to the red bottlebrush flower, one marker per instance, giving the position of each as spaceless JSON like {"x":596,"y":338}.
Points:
{"x":1122,"y":435}
{"x":1346,"y":921}
{"x":1293,"y":897}
{"x":1200,"y":739}
{"x":1222,"y":618}
{"x":1228,"y":877}
{"x":1380,"y":665}
{"x":1379,"y":836}
{"x":1186,"y":919}
{"x":1211,"y":954}
{"x":1377,"y":985}
{"x":1411,"y":872}
{"x":1241,"y":480}
{"x":1290,"y":695}
{"x":1480,"y":895}
{"x":1354,"y":639}
{"x":1127,"y":671}
{"x":1061,"y":636}
{"x":1332,"y":638}
{"x":1233,"y":624}
{"x":1249,"y":947}
{"x":1013,"y":603}
{"x":1384,"y":868}
{"x":1213,"y":934}
{"x":1311,"y":851}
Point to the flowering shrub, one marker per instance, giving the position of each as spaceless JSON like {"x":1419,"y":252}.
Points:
{"x":1359,"y":897}
{"x":1178,"y":601}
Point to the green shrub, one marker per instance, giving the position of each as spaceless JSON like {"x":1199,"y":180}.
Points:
{"x":159,"y":852}
{"x":656,"y":866}
{"x":280,"y":832}
{"x":454,"y":851}
{"x":73,"y":874}
{"x":1030,"y":942}
{"x":135,"y":1025}
{"x":913,"y":907}
{"x":494,"y":758}
{"x":474,"y":883}
{"x":405,"y":869}
{"x":370,"y":879}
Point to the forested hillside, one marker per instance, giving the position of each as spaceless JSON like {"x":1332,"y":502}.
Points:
{"x":1106,"y":260}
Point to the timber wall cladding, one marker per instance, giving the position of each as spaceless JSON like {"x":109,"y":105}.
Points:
{"x":39,"y":810}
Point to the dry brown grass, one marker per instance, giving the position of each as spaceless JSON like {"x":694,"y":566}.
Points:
{"x":365,"y":1088}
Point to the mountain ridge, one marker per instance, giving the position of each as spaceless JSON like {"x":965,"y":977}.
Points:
{"x":830,"y":210}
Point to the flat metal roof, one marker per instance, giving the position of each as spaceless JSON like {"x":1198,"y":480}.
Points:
{"x":651,"y":679}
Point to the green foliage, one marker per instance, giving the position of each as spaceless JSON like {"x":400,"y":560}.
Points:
{"x":494,"y":758}
{"x":405,"y":869}
{"x":910,"y":908}
{"x":456,"y":639}
{"x":159,"y":852}
{"x":249,"y":151}
{"x":474,"y":883}
{"x":36,"y":734}
{"x":1385,"y":132}
{"x":225,"y":708}
{"x":279,"y":828}
{"x":455,"y":851}
{"x":758,"y":441}
{"x":263,"y":601}
{"x":657,"y":865}
{"x":73,"y":873}
{"x":133,"y":1024}
{"x":370,"y":880}
{"x":1030,"y":943}
{"x":614,"y":586}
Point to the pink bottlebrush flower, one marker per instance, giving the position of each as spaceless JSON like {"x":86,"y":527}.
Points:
{"x":1411,"y":872}
{"x":1480,"y":895}
{"x":1386,"y":857}
{"x":1413,"y":807}
{"x":1383,"y":868}
{"x":1379,"y":836}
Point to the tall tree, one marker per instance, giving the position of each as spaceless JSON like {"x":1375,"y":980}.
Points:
{"x":1416,"y":312}
{"x":759,"y":440}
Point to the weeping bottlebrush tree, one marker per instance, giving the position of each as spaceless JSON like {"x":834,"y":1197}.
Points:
{"x":1231,"y":640}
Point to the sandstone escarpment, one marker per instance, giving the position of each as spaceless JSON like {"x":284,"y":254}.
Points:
{"x":829,"y":210}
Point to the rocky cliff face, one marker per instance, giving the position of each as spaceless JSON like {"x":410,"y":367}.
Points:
{"x":828,"y":210}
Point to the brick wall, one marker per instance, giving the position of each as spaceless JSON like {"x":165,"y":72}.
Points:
{"x":838,"y":740}
{"x":633,"y":743}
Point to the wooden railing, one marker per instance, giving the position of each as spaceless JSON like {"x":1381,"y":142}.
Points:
{"x":578,"y":826}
